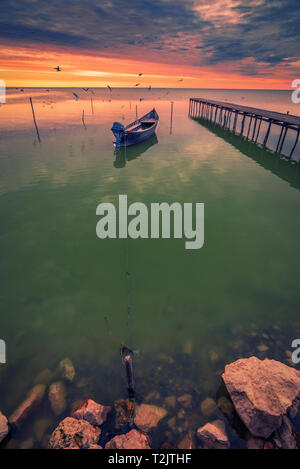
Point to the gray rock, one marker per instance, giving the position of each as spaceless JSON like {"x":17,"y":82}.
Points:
{"x":148,"y":416}
{"x":32,"y":400}
{"x":131,"y":440}
{"x":262,"y":391}
{"x":213,"y":435}
{"x":4,"y":430}
{"x":95,"y":414}
{"x":74,"y":434}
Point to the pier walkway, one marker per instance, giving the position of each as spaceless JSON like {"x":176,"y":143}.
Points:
{"x":221,"y":113}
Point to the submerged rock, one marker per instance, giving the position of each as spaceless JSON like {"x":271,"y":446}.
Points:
{"x":225,"y":405}
{"x":57,"y":397}
{"x":255,"y":443}
{"x":153,"y":395}
{"x":213,"y":435}
{"x":208,"y":407}
{"x":185,"y":400}
{"x":95,"y":414}
{"x":74,"y":434}
{"x":67,"y":369}
{"x":188,"y":442}
{"x":33,"y":398}
{"x":213,"y":355}
{"x":284,"y":437}
{"x":27,"y":444}
{"x":171,"y":401}
{"x":40,"y":427}
{"x":44,"y":377}
{"x":4,"y":430}
{"x":131,"y":440}
{"x":124,"y":410}
{"x":148,"y":416}
{"x":262,"y":391}
{"x":262,"y":348}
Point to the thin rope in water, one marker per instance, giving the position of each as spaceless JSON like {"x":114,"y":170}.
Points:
{"x":128,"y":284}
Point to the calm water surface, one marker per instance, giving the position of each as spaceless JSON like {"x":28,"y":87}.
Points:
{"x":192,"y":311}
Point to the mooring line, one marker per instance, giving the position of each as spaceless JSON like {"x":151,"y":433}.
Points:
{"x":128,"y":282}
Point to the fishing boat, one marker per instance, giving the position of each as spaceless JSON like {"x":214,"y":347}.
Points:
{"x":137,"y":131}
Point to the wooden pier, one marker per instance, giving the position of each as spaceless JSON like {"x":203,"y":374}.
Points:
{"x":227,"y":115}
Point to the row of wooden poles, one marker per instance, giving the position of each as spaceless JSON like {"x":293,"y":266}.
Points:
{"x":222,"y":116}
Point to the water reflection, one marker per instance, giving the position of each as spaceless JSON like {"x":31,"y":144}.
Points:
{"x":124,"y":154}
{"x":286,"y":170}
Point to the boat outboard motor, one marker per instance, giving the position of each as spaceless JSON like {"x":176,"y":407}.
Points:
{"x":118,"y":129}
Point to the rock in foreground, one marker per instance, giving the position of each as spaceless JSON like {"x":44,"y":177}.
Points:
{"x":92,"y":412}
{"x":74,"y":434}
{"x":262,"y":392}
{"x":148,"y":416}
{"x":3,"y":427}
{"x":131,"y":440}
{"x":213,"y":435}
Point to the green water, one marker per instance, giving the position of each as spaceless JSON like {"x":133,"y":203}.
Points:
{"x":58,"y":280}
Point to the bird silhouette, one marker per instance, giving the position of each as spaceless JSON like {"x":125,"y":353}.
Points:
{"x":58,"y":69}
{"x":109,"y":88}
{"x":137,"y":84}
{"x":140,"y":74}
{"x":76,"y":96}
{"x":149,"y":89}
{"x":85,"y":89}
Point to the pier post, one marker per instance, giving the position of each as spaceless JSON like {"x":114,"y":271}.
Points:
{"x":295,"y":144}
{"x":283,"y":139}
{"x":258,"y":130}
{"x":250,"y":122}
{"x":279,"y":140}
{"x":243,"y":124}
{"x":267,"y":134}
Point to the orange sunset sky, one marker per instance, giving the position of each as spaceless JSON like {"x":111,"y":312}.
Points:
{"x":178,"y":43}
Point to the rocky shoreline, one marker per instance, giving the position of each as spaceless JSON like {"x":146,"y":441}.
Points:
{"x":260,"y":400}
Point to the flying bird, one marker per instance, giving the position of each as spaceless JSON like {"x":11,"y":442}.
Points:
{"x":140,"y":74}
{"x":149,"y":89}
{"x":180,"y":79}
{"x":76,"y":96}
{"x":58,"y":69}
{"x":137,"y":84}
{"x":141,"y":99}
{"x":109,"y":88}
{"x":85,"y":89}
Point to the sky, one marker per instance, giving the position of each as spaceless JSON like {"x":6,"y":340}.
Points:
{"x":173,"y":43}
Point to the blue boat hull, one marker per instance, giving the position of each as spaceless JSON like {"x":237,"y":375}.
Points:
{"x":136,"y":132}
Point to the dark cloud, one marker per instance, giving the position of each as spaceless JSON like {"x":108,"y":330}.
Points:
{"x":265,"y":30}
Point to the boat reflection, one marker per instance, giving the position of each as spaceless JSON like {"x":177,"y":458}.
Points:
{"x":124,"y":154}
{"x":286,"y":170}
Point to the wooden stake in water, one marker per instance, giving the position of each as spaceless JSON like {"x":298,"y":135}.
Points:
{"x":36,"y":127}
{"x":92,"y":106}
{"x":171,"y":118}
{"x":83,"y":120}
